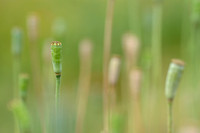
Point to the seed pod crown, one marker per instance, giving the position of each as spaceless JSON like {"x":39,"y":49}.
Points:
{"x":56,"y":52}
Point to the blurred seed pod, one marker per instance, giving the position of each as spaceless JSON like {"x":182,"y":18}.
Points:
{"x":131,"y":46}
{"x":22,"y":115}
{"x":32,"y":26}
{"x":135,"y":81}
{"x":189,"y":129}
{"x":196,"y":11}
{"x":114,"y":70}
{"x":173,"y":78}
{"x":56,"y":54}
{"x":23,"y":85}
{"x":85,"y":48}
{"x":59,"y":28}
{"x":17,"y":36}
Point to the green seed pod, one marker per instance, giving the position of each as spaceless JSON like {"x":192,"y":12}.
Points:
{"x":56,"y":52}
{"x":23,"y":85}
{"x":173,"y":78}
{"x":21,"y":114}
{"x":16,"y":41}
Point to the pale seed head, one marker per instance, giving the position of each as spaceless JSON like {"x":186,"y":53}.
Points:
{"x":114,"y":70}
{"x":173,"y":78}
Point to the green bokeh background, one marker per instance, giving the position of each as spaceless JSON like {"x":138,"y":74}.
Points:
{"x":84,"y":18}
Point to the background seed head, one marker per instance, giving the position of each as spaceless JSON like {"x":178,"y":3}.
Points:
{"x":114,"y":70}
{"x":16,"y":40}
{"x":173,"y":78}
{"x":21,"y":113}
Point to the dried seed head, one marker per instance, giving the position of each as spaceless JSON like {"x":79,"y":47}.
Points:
{"x":56,"y":54}
{"x":16,"y":41}
{"x":114,"y":69}
{"x":131,"y":46}
{"x":23,"y":85}
{"x":135,"y":81}
{"x":21,"y":113}
{"x":173,"y":78}
{"x":190,"y":129}
{"x":32,"y":26}
{"x":58,"y":27}
{"x":85,"y":48}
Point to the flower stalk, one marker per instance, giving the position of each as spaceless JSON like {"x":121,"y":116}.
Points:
{"x":56,"y":52}
{"x":172,"y":81}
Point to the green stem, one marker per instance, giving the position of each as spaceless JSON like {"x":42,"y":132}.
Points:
{"x":16,"y":70}
{"x":57,"y":98}
{"x":170,"y":120}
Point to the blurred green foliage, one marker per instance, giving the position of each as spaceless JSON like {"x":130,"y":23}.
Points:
{"x":83,"y":18}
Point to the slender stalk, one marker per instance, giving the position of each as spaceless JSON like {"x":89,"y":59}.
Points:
{"x":16,"y":71}
{"x":156,"y":44}
{"x":48,"y":87}
{"x":16,"y":51}
{"x":172,"y":81}
{"x":56,"y":52}
{"x":21,"y":115}
{"x":85,"y":53}
{"x":57,"y":94}
{"x":135,"y":107}
{"x":32,"y":26}
{"x":107,"y":45}
{"x":170,"y":120}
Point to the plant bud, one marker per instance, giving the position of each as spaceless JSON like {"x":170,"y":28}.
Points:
{"x":173,"y":78}
{"x":23,"y":85}
{"x":189,"y":129}
{"x":56,"y":53}
{"x":32,"y":25}
{"x":59,"y":27}
{"x":85,"y":48}
{"x":131,"y":46}
{"x":21,"y":113}
{"x":16,"y":41}
{"x":114,"y":69}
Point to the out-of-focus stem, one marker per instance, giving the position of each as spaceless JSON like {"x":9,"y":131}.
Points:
{"x":107,"y":45}
{"x":84,"y":82}
{"x":156,"y":44}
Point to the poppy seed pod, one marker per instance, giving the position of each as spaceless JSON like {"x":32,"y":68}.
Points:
{"x":21,"y":114}
{"x":56,"y":53}
{"x":59,"y":28}
{"x":32,"y":26}
{"x":114,"y":69}
{"x":23,"y":85}
{"x":173,"y":78}
{"x":131,"y":46}
{"x":16,"y":41}
{"x":85,"y":48}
